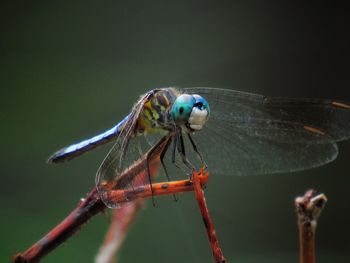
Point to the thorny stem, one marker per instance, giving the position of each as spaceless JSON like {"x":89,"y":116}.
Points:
{"x":308,"y":209}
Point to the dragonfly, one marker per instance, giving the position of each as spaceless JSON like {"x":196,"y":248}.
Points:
{"x":230,"y":132}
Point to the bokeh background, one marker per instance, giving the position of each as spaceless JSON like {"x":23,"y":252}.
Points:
{"x":70,"y":69}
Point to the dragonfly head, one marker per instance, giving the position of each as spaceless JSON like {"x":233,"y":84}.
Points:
{"x":191,"y":111}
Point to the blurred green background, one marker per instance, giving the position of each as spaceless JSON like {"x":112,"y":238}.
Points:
{"x":72,"y":69}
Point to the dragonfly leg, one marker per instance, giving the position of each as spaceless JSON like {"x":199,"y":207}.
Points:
{"x":177,"y":145}
{"x":148,"y":157}
{"x":174,"y":150}
{"x":173,"y":157}
{"x":164,"y":167}
{"x":181,"y":150}
{"x":150,"y":180}
{"x":195,"y":149}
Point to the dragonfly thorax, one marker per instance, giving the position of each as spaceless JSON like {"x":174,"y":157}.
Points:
{"x":155,"y":112}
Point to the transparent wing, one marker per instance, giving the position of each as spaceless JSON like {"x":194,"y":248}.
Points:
{"x":233,"y":153}
{"x":253,"y":134}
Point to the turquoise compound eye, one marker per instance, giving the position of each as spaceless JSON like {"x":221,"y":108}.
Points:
{"x":182,"y":108}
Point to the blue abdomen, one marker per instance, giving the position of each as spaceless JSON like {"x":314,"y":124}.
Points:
{"x":74,"y":150}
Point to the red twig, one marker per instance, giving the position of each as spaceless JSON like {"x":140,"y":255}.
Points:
{"x":209,"y":225}
{"x":93,"y":205}
{"x":308,"y":209}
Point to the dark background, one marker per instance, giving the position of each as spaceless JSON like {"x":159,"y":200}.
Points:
{"x":70,"y":69}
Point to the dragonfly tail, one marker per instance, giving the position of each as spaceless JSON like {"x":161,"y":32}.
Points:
{"x":75,"y":150}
